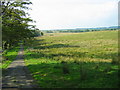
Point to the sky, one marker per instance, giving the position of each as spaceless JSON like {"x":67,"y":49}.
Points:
{"x":70,"y":14}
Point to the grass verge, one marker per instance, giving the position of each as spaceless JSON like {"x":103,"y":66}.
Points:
{"x":8,"y":56}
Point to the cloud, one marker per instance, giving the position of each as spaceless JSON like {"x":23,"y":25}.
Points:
{"x":51,"y":14}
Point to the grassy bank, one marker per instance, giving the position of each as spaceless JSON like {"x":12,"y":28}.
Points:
{"x":74,"y":60}
{"x":8,"y":56}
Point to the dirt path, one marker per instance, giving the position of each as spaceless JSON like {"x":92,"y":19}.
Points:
{"x":17,"y":74}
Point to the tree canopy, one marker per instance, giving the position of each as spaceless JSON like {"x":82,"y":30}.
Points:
{"x":15,"y":20}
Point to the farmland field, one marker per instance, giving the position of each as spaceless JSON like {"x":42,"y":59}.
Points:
{"x":74,"y":60}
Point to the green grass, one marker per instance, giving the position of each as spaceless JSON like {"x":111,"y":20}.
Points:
{"x":8,"y":56}
{"x":87,"y":57}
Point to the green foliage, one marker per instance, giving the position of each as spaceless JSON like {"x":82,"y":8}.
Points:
{"x":74,"y":60}
{"x":15,"y":25}
{"x":42,"y":33}
{"x":37,"y":33}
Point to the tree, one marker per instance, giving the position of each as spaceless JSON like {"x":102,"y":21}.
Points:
{"x":15,"y":20}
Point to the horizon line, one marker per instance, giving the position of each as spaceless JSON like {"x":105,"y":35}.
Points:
{"x":84,"y":27}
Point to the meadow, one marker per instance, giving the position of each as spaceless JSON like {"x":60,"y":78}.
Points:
{"x":74,"y":60}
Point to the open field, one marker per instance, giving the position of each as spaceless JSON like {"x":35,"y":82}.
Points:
{"x":74,"y":60}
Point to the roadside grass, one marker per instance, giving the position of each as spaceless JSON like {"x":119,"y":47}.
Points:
{"x":8,"y":56}
{"x":70,"y":60}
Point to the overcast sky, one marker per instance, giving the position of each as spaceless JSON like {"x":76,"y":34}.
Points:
{"x":67,"y":14}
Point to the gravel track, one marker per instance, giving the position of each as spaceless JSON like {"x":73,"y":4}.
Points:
{"x":17,"y":74}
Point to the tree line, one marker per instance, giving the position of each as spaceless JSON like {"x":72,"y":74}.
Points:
{"x":15,"y":21}
{"x":75,"y":31}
